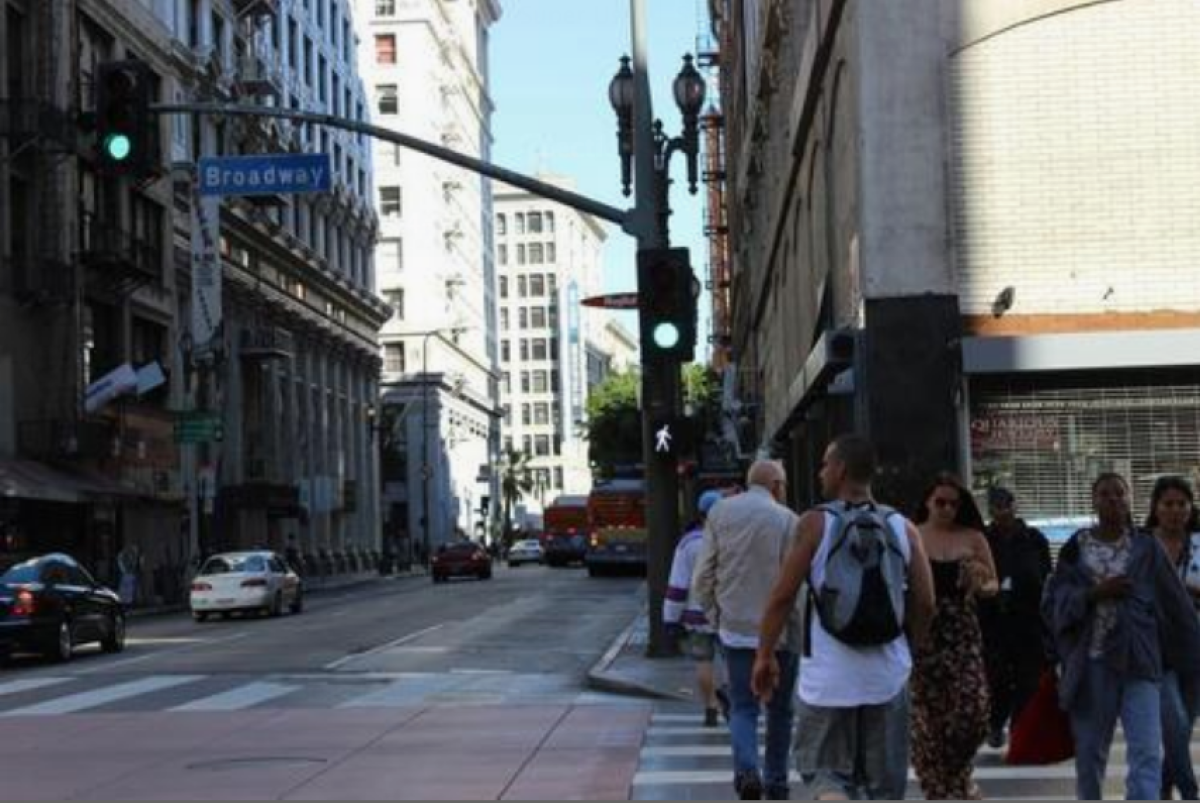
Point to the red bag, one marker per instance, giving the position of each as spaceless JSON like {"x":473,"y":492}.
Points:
{"x":1041,"y":733}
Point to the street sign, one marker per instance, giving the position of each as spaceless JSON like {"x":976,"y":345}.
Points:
{"x":612,"y":301}
{"x":197,"y":426}
{"x":265,"y":174}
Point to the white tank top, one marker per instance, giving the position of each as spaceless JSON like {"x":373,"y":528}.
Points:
{"x":837,"y":675}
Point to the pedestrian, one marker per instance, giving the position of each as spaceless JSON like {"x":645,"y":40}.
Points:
{"x":1174,"y":520}
{"x":949,"y":682}
{"x":745,"y":541}
{"x":1112,"y":593}
{"x":1013,"y":635}
{"x":682,"y":614}
{"x":852,"y":715}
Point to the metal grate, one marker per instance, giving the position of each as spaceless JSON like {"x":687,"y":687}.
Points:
{"x":1048,"y":445}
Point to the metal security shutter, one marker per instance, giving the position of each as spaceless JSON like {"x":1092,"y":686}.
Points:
{"x":1049,"y":444}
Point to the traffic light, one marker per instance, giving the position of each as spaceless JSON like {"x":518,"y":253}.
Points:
{"x":126,"y":129}
{"x":667,"y":292}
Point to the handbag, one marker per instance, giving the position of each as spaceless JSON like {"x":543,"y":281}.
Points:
{"x":1041,"y":733}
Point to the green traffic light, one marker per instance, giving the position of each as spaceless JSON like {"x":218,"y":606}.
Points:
{"x":118,"y":147}
{"x":666,"y":335}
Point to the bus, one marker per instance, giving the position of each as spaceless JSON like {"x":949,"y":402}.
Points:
{"x":566,"y":530}
{"x":617,"y":512}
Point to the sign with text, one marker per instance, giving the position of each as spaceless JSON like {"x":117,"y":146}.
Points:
{"x":265,"y":174}
{"x":612,"y":301}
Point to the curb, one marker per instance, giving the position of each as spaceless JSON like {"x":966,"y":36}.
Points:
{"x":600,"y":678}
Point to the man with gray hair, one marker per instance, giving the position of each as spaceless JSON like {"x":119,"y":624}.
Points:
{"x":746,"y":539}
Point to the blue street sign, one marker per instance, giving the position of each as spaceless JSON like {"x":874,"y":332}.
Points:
{"x":266,"y":174}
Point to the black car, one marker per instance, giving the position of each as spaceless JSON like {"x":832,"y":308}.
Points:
{"x":50,"y":604}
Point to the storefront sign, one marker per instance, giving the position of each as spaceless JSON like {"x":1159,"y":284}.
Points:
{"x":1000,"y":431}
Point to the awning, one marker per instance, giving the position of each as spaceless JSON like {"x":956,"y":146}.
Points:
{"x":28,"y":479}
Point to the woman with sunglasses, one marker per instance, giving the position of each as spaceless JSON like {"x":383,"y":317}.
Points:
{"x":1174,"y":520}
{"x":1112,"y":594}
{"x":949,"y":683}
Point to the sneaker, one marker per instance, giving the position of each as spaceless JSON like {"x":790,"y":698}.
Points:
{"x":710,"y":717}
{"x":748,"y":785}
{"x":996,"y":738}
{"x":779,"y":793}
{"x":723,"y":701}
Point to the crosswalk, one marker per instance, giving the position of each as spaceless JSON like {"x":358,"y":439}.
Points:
{"x":65,"y":694}
{"x":683,"y":760}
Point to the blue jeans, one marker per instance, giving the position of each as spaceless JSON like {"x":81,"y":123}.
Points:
{"x":743,"y":716}
{"x":1177,"y":740}
{"x":1103,"y":697}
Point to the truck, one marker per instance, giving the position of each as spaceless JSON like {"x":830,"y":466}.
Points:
{"x":617,"y":513}
{"x":566,"y":529}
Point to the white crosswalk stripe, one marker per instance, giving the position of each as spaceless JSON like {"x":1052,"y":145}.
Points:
{"x":29,"y":684}
{"x":102,"y":696}
{"x":247,"y":696}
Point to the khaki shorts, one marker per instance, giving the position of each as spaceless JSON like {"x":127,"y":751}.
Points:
{"x":700,"y":646}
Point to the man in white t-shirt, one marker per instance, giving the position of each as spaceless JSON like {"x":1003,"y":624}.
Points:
{"x":852,"y":713}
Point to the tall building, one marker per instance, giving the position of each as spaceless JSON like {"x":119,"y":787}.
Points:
{"x":549,"y":258}
{"x":968,"y":230}
{"x":96,"y":287}
{"x":426,"y":64}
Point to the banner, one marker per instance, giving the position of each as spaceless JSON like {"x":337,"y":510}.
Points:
{"x":206,"y":273}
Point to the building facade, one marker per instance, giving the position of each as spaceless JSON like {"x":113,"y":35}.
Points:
{"x":966,"y":229}
{"x":98,"y":273}
{"x":550,"y":258}
{"x":426,"y":64}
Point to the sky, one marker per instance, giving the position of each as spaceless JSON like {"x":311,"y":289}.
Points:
{"x":551,"y":63}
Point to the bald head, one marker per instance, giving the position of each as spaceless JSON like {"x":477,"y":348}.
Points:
{"x":766,"y":473}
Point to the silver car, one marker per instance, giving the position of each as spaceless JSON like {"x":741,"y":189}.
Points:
{"x":527,"y":551}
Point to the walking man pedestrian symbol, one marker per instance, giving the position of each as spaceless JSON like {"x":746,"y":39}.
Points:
{"x":662,"y":439}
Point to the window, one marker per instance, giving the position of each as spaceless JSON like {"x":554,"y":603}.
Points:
{"x":558,"y":444}
{"x":504,"y":319}
{"x":396,"y":299}
{"x":536,"y":255}
{"x":551,"y":283}
{"x":389,"y":256}
{"x":505,"y":351}
{"x":502,"y":254}
{"x":501,"y":225}
{"x":387,"y":99}
{"x":551,"y":254}
{"x":558,"y":472}
{"x":385,"y":8}
{"x":554,"y":386}
{"x":393,"y":358}
{"x":385,"y":48}
{"x":527,"y":441}
{"x":524,"y":381}
{"x":535,"y":222}
{"x":389,"y":201}
{"x":523,"y":317}
{"x":504,"y":287}
{"x":537,"y":285}
{"x":526,"y":415}
{"x":537,"y":317}
{"x":520,"y":222}
{"x":541,"y":446}
{"x":524,"y":350}
{"x":520,"y":254}
{"x":541,"y":413}
{"x":549,"y":219}
{"x":554,"y":348}
{"x":522,"y":287}
{"x":539,"y":351}
{"x":506,"y":411}
{"x":539,"y":382}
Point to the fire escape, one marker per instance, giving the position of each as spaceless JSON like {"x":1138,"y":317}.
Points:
{"x":716,"y":227}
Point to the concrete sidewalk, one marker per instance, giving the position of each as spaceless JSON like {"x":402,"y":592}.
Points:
{"x":625,"y":669}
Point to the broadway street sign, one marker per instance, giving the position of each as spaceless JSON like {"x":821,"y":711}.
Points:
{"x":265,"y":174}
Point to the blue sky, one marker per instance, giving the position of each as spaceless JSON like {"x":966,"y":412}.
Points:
{"x":551,"y":64}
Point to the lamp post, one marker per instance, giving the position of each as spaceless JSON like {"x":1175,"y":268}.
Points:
{"x":426,"y":465}
{"x":646,"y":152}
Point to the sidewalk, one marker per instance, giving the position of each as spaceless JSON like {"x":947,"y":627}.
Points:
{"x":625,"y":669}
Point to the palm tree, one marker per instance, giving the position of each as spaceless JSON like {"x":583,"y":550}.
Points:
{"x":516,"y":480}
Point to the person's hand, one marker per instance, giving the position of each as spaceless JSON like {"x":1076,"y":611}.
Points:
{"x":1111,"y":589}
{"x":764,"y":677}
{"x":975,"y":575}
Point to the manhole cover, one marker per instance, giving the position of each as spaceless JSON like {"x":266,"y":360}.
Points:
{"x":221,"y":764}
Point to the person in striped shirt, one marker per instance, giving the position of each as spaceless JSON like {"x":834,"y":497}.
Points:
{"x":686,"y":619}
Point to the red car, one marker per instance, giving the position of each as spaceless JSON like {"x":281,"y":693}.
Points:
{"x":462,"y":558}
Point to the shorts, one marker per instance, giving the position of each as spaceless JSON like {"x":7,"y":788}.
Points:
{"x":699,"y":646}
{"x":857,"y":752}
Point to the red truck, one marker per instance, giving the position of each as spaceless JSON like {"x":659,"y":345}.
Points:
{"x":566,"y":529}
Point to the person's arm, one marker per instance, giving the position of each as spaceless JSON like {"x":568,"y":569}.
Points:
{"x":704,"y":576}
{"x":982,"y":568}
{"x":792,"y":575}
{"x":920,"y":604}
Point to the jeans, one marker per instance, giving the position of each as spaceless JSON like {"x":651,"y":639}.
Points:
{"x":858,"y":753}
{"x":1104,"y":696}
{"x":1177,"y":740}
{"x":744,"y":711}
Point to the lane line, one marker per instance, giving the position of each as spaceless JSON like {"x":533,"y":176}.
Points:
{"x":102,"y":696}
{"x":354,"y":656}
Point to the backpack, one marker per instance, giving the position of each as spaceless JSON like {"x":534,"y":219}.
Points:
{"x":861,"y":600}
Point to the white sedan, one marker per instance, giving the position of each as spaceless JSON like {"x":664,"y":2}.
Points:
{"x":527,"y":551}
{"x":257,"y":581}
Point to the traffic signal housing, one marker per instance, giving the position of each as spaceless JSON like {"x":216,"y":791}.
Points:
{"x":667,"y":291}
{"x":126,"y":130}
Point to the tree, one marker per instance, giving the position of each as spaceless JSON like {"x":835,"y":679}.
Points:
{"x":516,"y":480}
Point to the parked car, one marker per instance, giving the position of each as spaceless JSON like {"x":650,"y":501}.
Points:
{"x":527,"y":551}
{"x":51,"y":605}
{"x":258,"y":581}
{"x":459,"y":559}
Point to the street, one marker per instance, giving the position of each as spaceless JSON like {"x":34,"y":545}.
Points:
{"x":393,"y":688}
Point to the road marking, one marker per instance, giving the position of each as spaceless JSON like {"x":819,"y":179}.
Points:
{"x":98,"y":697}
{"x":236,"y":699}
{"x":382,"y":647}
{"x":29,"y":684}
{"x":107,"y":667}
